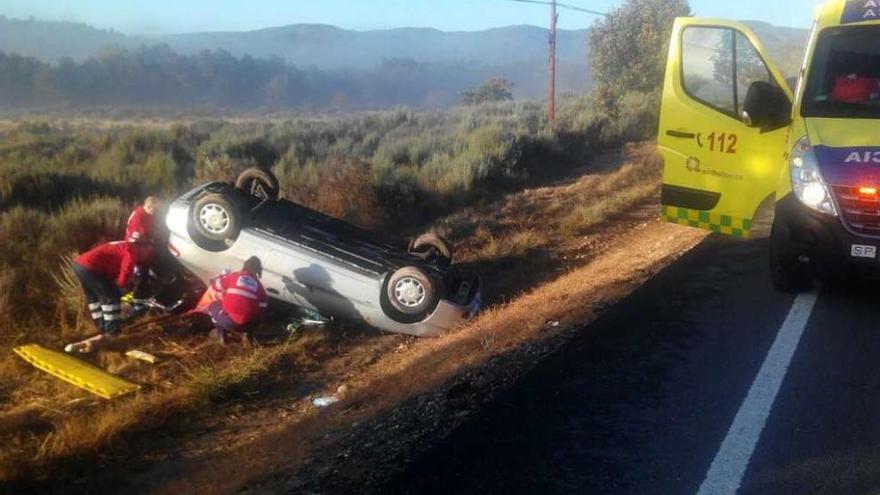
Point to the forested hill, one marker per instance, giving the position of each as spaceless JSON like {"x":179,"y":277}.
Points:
{"x":51,"y":41}
{"x":420,"y":67}
{"x":314,"y":66}
{"x":326,"y":47}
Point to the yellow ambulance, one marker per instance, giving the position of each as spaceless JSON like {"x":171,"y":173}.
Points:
{"x":738,"y":140}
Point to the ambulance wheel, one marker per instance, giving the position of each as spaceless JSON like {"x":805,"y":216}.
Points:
{"x":433,"y":249}
{"x":259,"y":182}
{"x":410,"y":295}
{"x":215,"y":218}
{"x":786,"y":272}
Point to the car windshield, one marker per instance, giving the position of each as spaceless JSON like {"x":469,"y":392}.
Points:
{"x":844,"y":77}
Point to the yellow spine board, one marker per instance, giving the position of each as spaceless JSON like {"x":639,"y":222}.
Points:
{"x":76,"y":372}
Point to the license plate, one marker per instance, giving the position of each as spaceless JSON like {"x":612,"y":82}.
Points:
{"x":863,"y":251}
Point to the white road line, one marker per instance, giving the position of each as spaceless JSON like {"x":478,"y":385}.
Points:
{"x":729,"y":466}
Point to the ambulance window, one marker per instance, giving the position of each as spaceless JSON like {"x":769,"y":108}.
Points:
{"x":707,"y":66}
{"x":749,"y":68}
{"x":844,"y":75}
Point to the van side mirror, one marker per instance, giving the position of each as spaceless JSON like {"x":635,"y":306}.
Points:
{"x":766,"y":106}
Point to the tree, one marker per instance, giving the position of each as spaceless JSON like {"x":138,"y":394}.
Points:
{"x":495,"y":89}
{"x":628,"y":50}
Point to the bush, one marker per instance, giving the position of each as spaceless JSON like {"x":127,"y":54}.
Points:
{"x":342,"y":189}
{"x":494,"y":90}
{"x":637,"y":119}
{"x":35,"y":242}
{"x":629,"y":49}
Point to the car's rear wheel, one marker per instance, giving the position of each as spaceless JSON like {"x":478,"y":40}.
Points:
{"x":258,"y":182}
{"x":410,"y":295}
{"x":215,"y":218}
{"x":433,"y":249}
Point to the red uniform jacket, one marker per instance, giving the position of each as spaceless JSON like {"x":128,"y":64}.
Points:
{"x":114,"y":261}
{"x":141,"y":226}
{"x":244,"y":297}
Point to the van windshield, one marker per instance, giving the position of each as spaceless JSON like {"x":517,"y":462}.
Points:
{"x":844,"y":78}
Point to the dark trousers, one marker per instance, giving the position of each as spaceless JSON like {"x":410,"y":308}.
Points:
{"x":142,"y":290}
{"x":103,"y":297}
{"x":221,"y":320}
{"x":149,"y":279}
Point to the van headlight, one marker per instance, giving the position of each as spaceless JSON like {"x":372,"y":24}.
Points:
{"x":806,"y":180}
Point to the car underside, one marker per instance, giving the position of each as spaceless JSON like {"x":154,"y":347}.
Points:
{"x":319,"y":262}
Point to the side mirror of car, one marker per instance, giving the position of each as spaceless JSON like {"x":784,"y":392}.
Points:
{"x":766,"y":106}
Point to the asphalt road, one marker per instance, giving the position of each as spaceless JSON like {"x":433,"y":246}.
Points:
{"x":703,"y":381}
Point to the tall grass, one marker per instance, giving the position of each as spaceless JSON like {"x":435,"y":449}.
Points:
{"x":33,"y":244}
{"x":449,"y":157}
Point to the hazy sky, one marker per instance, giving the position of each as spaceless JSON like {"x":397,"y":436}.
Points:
{"x":175,"y":16}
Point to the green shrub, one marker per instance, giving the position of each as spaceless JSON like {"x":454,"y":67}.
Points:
{"x":35,"y":242}
{"x":637,"y":119}
{"x":160,"y":173}
{"x":82,"y":224}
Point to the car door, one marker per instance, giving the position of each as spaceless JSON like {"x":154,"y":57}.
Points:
{"x":717,"y":170}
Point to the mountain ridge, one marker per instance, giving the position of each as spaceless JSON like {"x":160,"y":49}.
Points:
{"x":456,"y":59}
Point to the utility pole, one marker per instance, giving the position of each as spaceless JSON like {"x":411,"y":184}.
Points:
{"x":551,"y":59}
{"x":551,"y":66}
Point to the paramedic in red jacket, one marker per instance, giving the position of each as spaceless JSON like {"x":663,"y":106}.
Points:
{"x":240,"y":299}
{"x":104,"y":273}
{"x":141,"y":225}
{"x":141,"y":228}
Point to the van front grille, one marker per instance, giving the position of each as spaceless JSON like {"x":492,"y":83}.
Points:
{"x":860,"y":213}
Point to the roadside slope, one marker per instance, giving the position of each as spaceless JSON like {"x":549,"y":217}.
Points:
{"x":397,"y":405}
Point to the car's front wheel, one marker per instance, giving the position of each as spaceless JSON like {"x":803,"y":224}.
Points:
{"x":215,"y":218}
{"x":410,"y":295}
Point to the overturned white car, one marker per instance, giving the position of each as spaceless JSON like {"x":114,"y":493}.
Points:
{"x":319,"y":262}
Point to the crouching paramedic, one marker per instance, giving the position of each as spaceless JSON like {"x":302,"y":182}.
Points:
{"x":104,"y":272}
{"x":236,"y":300}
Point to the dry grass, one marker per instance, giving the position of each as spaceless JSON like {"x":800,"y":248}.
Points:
{"x":541,"y":228}
{"x":514,"y":243}
{"x":74,"y":428}
{"x":7,"y":286}
{"x":429,"y":364}
{"x":206,"y":385}
{"x":586,"y":216}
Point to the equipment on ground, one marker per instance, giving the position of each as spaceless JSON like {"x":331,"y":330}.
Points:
{"x":76,"y":372}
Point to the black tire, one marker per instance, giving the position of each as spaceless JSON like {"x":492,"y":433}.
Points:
{"x":215,"y":218}
{"x":786,"y":272}
{"x":433,"y":249}
{"x":258,"y":182}
{"x":410,"y":295}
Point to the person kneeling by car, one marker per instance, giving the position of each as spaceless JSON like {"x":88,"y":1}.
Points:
{"x":104,"y":272}
{"x":236,"y":300}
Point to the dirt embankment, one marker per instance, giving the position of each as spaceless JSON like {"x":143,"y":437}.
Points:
{"x":551,"y":280}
